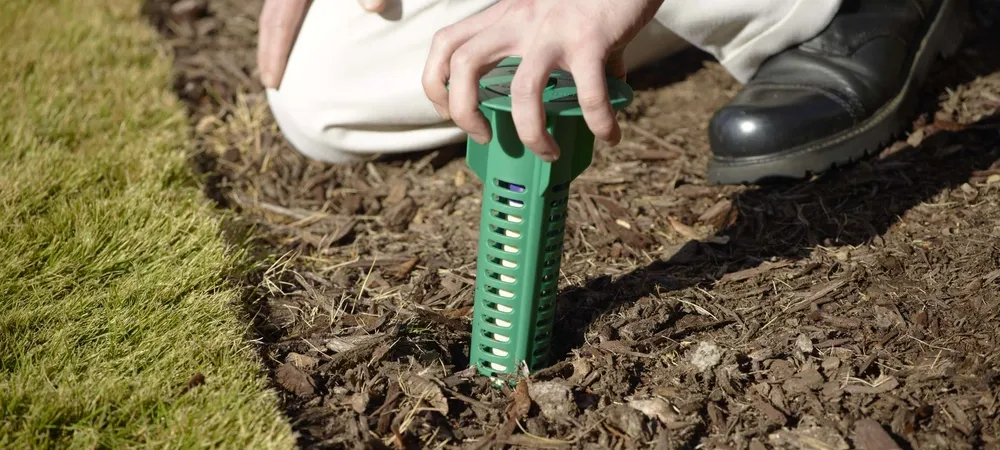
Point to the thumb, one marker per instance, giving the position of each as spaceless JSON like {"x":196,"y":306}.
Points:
{"x":373,"y":6}
{"x":278,"y":26}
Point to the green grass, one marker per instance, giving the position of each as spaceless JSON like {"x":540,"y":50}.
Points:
{"x":112,"y":267}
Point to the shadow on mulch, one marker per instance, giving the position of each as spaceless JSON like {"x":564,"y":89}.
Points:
{"x":847,"y":207}
{"x":851,"y":206}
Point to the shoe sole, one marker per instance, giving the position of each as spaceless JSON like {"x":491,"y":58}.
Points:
{"x":860,"y":141}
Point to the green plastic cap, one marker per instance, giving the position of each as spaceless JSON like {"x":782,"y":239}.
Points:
{"x":559,"y":97}
{"x":522,"y":222}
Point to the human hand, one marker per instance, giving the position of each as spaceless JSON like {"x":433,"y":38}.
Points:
{"x":586,"y":38}
{"x":277,"y":28}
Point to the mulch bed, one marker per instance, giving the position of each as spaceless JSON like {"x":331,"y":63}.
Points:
{"x":854,"y":310}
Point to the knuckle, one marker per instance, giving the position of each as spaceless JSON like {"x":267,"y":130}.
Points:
{"x":584,"y":37}
{"x":463,"y":59}
{"x":443,"y":37}
{"x":523,"y":10}
{"x":592,"y":102}
{"x":522,"y":89}
{"x":434,"y":87}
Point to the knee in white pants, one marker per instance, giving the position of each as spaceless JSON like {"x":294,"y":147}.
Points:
{"x":352,"y":86}
{"x":311,"y":145}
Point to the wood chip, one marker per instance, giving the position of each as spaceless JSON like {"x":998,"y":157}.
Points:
{"x":186,"y":11}
{"x":747,"y":274}
{"x":833,"y":343}
{"x":769,"y":411}
{"x":655,"y":155}
{"x":295,"y":380}
{"x":844,"y":323}
{"x":397,"y":192}
{"x":399,"y":216}
{"x":880,"y":388}
{"x":817,"y":297}
{"x":869,"y":435}
{"x":425,"y":390}
{"x":960,"y":420}
{"x":676,"y":149}
{"x":405,"y":268}
{"x":718,"y":215}
{"x":654,"y":408}
{"x":683,"y":230}
{"x":301,"y":361}
{"x":369,"y":350}
{"x":990,"y":277}
{"x":348,"y":343}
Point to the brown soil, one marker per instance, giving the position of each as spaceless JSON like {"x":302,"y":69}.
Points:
{"x":858,"y":309}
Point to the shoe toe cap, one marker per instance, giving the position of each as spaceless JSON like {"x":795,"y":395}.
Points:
{"x":765,"y":120}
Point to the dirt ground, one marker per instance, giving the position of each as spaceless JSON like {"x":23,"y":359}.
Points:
{"x":854,"y":310}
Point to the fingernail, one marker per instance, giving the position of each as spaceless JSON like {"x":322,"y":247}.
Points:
{"x":481,"y":139}
{"x":373,"y":5}
{"x":267,"y":79}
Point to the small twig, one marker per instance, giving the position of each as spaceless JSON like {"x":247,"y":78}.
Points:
{"x":364,"y":285}
{"x":658,"y":140}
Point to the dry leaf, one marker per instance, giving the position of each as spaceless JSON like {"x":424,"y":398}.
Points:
{"x":581,"y":368}
{"x":520,"y":404}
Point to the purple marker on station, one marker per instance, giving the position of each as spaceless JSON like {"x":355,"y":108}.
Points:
{"x":519,"y":189}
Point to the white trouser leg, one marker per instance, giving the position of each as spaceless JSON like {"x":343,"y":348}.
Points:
{"x":741,"y":34}
{"x":352,"y":85}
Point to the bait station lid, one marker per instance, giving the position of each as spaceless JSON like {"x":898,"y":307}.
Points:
{"x":559,"y":97}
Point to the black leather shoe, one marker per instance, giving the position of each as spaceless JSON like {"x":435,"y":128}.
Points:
{"x":832,"y":100}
